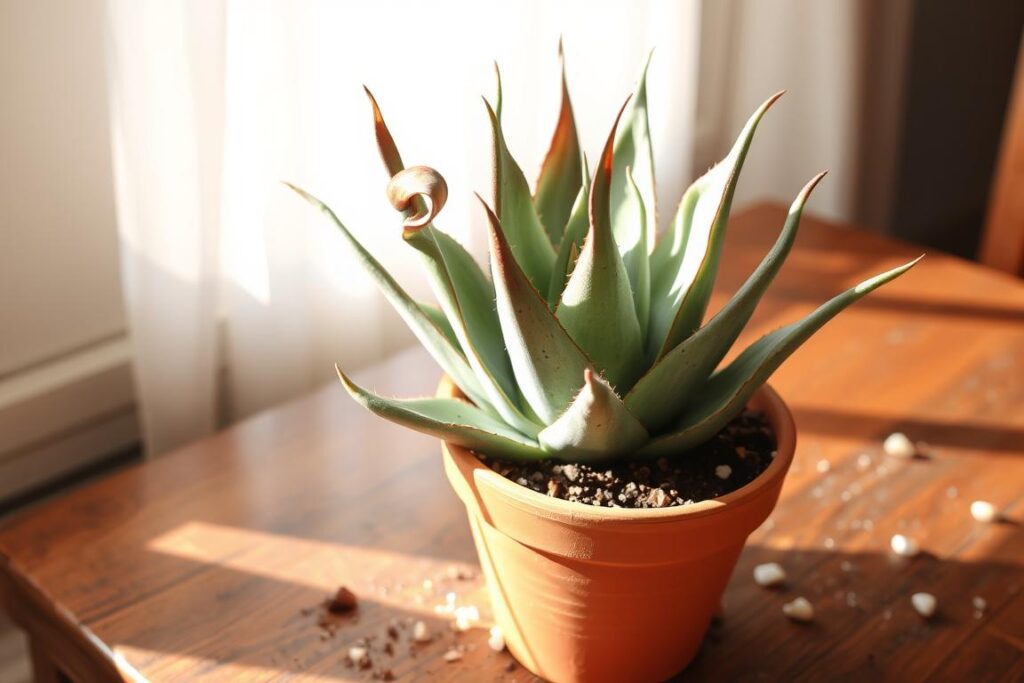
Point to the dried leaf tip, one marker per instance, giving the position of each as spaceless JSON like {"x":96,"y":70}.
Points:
{"x":385,"y":142}
{"x":418,"y":181}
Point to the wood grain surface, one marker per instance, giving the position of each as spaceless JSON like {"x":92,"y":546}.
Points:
{"x":210,"y":564}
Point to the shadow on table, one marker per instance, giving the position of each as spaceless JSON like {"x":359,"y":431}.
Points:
{"x":1006,"y":439}
{"x":864,"y":622}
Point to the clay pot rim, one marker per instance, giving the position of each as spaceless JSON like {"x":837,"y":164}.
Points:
{"x":765,"y":399}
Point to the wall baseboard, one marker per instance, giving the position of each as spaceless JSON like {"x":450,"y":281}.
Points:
{"x":66,"y":415}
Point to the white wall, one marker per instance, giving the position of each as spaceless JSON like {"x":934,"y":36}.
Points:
{"x":61,"y":318}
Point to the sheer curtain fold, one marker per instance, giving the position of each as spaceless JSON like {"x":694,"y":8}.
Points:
{"x":238,"y":295}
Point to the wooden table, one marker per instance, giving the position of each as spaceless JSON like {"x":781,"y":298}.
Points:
{"x":211,"y":563}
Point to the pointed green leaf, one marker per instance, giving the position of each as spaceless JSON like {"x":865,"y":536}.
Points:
{"x":729,"y":389}
{"x":464,"y":292}
{"x":596,"y":307}
{"x":634,"y":253}
{"x":633,"y":150}
{"x":450,"y":419}
{"x":467,"y":298}
{"x":497,"y":94}
{"x":572,"y":238}
{"x":560,"y":175}
{"x":440,"y":321}
{"x":514,"y":208}
{"x":547,"y":364}
{"x":672,"y":384}
{"x":596,"y":426}
{"x":433,"y":339}
{"x":684,"y":277}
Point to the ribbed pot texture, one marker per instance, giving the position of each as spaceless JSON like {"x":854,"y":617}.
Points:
{"x":594,"y":594}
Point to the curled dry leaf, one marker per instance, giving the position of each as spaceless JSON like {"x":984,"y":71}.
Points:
{"x":418,"y":181}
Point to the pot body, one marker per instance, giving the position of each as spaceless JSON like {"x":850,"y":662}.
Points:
{"x":608,"y":594}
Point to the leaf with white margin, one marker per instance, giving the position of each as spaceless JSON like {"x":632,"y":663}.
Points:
{"x":672,"y":384}
{"x":633,"y":150}
{"x":433,"y":339}
{"x":548,"y":365}
{"x":728,"y":390}
{"x":449,"y":419}
{"x":685,"y":261}
{"x":596,"y":308}
{"x":596,"y":426}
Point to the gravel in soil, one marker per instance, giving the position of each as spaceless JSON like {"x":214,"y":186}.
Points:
{"x":740,"y":452}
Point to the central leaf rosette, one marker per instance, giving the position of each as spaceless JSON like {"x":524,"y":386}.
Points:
{"x":587,"y":339}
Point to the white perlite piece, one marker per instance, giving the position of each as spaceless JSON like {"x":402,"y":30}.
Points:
{"x":465,"y":617}
{"x":979,"y":603}
{"x":496,"y":641}
{"x":899,"y":445}
{"x":769,"y":574}
{"x":904,"y":546}
{"x":823,"y":466}
{"x":452,"y":655}
{"x":723,"y":471}
{"x":924,"y":604}
{"x":799,"y":609}
{"x":358,"y":655}
{"x":420,"y":632}
{"x":984,"y":511}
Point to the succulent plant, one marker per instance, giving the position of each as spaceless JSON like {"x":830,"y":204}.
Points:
{"x":587,"y":341}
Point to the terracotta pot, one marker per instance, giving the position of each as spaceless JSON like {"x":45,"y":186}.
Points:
{"x":608,"y":594}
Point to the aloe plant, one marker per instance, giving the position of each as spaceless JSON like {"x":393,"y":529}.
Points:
{"x":586,"y":340}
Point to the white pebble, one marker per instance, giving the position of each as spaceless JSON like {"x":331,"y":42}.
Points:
{"x":823,"y":466}
{"x":465,"y":617}
{"x":723,"y":471}
{"x":452,"y":655}
{"x":899,"y":446}
{"x":799,"y":609}
{"x":904,"y":546}
{"x":358,"y":655}
{"x":979,"y":603}
{"x":420,"y":632}
{"x":496,"y":641}
{"x":924,"y":604}
{"x":863,"y":462}
{"x":984,"y":511}
{"x":769,"y":574}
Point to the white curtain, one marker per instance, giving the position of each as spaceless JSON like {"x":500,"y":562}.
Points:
{"x":239,"y":295}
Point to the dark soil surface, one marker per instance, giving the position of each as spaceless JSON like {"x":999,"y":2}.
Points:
{"x":739,"y":453}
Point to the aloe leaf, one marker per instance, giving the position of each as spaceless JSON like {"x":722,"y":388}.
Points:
{"x":633,"y":150}
{"x":514,"y":208}
{"x":572,"y":238}
{"x":548,"y":365}
{"x":596,"y":307}
{"x":450,"y":419}
{"x":671,"y":384}
{"x":467,"y":298}
{"x":464,"y":292}
{"x":385,"y":143}
{"x":728,"y":390}
{"x":684,"y":277}
{"x":497,"y":94}
{"x":595,"y":426}
{"x":433,"y":338}
{"x":560,"y":175}
{"x":635,"y":256}
{"x":440,"y":321}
